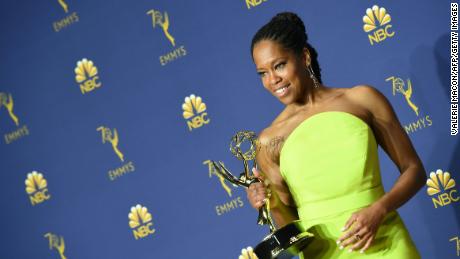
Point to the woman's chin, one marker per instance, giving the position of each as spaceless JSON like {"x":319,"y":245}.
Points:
{"x":285,"y":100}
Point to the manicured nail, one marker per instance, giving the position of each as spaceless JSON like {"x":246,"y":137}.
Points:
{"x":361,"y":251}
{"x":341,"y":247}
{"x":350,"y":250}
{"x":338,"y":242}
{"x":342,"y":229}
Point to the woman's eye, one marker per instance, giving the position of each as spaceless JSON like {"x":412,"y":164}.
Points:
{"x":280,"y":65}
{"x":261,"y":74}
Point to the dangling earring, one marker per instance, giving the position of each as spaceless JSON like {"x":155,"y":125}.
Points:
{"x":312,"y":76}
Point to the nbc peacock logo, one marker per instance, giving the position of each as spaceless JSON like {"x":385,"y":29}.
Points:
{"x":36,"y":188}
{"x":441,"y":188}
{"x":86,"y":75}
{"x":254,"y":3}
{"x":194,"y":111}
{"x":140,"y":221}
{"x":377,"y":24}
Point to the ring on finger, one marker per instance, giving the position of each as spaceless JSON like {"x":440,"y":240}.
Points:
{"x":357,"y":237}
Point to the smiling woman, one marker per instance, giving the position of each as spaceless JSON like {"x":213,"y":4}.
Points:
{"x":319,"y":156}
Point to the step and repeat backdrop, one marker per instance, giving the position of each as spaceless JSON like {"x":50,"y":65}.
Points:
{"x":110,"y":112}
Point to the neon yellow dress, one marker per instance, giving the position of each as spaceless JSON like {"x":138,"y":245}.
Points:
{"x":330,"y":163}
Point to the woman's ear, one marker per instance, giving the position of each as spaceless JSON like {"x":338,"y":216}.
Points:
{"x":306,"y":56}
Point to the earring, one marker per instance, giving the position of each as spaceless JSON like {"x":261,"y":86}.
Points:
{"x":312,"y":76}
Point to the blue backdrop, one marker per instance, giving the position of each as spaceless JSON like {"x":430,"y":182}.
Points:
{"x":101,"y":99}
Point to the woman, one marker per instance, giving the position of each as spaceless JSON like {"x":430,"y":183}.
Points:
{"x":319,"y":157}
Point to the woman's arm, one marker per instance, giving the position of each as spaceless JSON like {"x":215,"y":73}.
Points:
{"x":362,"y":226}
{"x":282,"y":207}
{"x":281,"y":213}
{"x":394,"y":140}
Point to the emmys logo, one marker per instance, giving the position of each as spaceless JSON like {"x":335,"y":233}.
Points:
{"x":64,"y":5}
{"x":36,"y":188}
{"x":6,"y":100}
{"x":86,"y":76}
{"x":377,"y":21}
{"x":441,"y":185}
{"x":162,"y":20}
{"x":212,"y":171}
{"x":399,"y":86}
{"x":254,"y":3}
{"x":66,"y":21}
{"x":195,"y":112}
{"x":457,"y":241}
{"x":57,"y":243}
{"x":230,"y":204}
{"x":158,"y":19}
{"x":140,"y":220}
{"x":112,"y":137}
{"x":108,"y":136}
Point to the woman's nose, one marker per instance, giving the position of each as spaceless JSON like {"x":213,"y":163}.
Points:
{"x":274,"y":78}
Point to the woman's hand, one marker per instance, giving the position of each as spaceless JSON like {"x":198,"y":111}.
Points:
{"x":361,"y":228}
{"x":258,"y":193}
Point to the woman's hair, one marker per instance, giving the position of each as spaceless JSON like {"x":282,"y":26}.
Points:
{"x":288,"y":30}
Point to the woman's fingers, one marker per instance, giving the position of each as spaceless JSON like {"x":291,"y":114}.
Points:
{"x":368,"y":243}
{"x":358,"y":245}
{"x":350,"y":222}
{"x":350,"y":232}
{"x":256,"y":195}
{"x":352,"y":236}
{"x":257,"y":174}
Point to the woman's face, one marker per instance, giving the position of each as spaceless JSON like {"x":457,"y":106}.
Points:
{"x":283,"y":73}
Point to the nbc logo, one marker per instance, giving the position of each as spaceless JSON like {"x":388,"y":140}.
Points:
{"x":441,"y":185}
{"x":36,"y":188}
{"x":254,"y":3}
{"x":140,"y":220}
{"x":195,"y":112}
{"x":377,"y":21}
{"x":86,"y":76}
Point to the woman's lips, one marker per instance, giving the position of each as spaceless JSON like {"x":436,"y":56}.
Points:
{"x":282,"y":91}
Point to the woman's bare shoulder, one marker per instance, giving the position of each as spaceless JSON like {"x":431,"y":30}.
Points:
{"x":368,"y":97}
{"x":363,"y":93}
